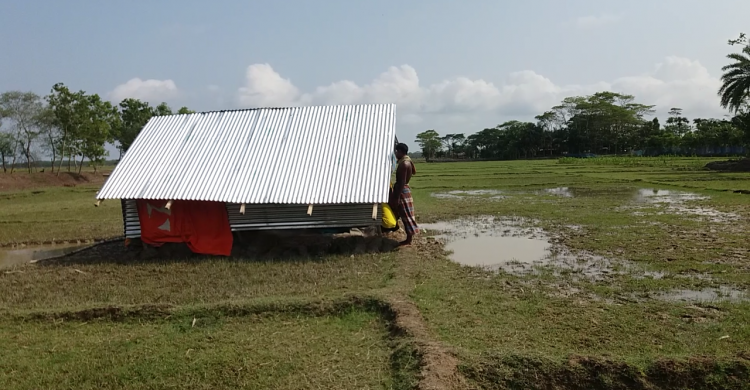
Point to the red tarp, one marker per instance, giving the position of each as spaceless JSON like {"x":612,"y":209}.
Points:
{"x":204,"y":226}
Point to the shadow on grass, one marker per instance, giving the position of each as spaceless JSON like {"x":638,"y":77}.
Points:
{"x":260,"y":248}
{"x":579,"y":372}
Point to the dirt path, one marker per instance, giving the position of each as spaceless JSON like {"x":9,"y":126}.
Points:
{"x":19,"y":181}
{"x":439,"y":365}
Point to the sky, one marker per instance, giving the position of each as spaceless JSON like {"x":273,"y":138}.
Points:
{"x":453,"y":66}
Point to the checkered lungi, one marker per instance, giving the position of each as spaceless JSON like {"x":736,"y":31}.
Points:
{"x":406,"y":211}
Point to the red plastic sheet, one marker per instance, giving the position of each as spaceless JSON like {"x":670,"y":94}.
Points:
{"x":203,"y":226}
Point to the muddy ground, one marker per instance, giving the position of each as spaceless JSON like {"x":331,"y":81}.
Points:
{"x":741,"y":165}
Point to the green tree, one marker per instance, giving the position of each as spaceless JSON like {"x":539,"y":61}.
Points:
{"x":430,"y":143}
{"x":70,"y":110}
{"x":7,"y":149}
{"x":134,"y":115}
{"x":49,"y":134}
{"x":677,"y":124}
{"x":163,"y":109}
{"x":453,"y":142}
{"x":100,"y":118}
{"x":23,"y":110}
{"x":184,"y":110}
{"x":735,"y":87}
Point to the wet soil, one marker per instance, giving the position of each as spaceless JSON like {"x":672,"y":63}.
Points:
{"x":463,"y":194}
{"x":708,"y":295}
{"x":741,"y":165}
{"x":10,"y":257}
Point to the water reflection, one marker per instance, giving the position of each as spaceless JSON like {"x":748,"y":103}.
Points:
{"x":507,"y":245}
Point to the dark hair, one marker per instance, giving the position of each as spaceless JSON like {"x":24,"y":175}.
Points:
{"x":402,"y":148}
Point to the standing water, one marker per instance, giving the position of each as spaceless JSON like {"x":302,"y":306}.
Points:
{"x":487,"y":242}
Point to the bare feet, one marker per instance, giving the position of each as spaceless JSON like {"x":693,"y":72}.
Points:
{"x":406,"y":242}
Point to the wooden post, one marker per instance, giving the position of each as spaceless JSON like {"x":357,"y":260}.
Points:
{"x":168,"y":206}
{"x":242,"y":209}
{"x":309,"y":210}
{"x":375,"y":211}
{"x":98,"y":202}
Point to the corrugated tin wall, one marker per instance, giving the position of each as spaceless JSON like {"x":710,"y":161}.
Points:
{"x":281,"y":217}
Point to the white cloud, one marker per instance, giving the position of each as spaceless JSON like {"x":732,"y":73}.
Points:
{"x":146,"y":90}
{"x":676,"y":82}
{"x":594,"y":21}
{"x":266,"y":88}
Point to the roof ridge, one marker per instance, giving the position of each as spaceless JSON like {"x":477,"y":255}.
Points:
{"x":286,"y":108}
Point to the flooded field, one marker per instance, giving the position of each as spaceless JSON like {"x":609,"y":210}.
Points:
{"x":641,"y":201}
{"x":528,"y":274}
{"x":520,"y":246}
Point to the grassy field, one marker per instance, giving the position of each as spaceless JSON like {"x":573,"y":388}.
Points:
{"x":666,"y":305}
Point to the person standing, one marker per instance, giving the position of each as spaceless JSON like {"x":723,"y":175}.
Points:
{"x":400,"y":198}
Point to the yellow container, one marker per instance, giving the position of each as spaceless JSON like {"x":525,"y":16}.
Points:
{"x":389,"y":218}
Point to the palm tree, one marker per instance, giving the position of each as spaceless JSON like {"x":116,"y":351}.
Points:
{"x":735,"y":87}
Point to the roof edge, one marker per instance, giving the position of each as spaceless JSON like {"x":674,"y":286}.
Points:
{"x":284,"y":108}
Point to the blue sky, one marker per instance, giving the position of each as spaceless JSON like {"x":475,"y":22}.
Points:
{"x":449,"y":65}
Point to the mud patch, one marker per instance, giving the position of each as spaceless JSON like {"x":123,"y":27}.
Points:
{"x":512,"y":246}
{"x":741,"y":165}
{"x":676,"y":203}
{"x":722,"y":294}
{"x":11,"y":257}
{"x":465,"y":194}
{"x":656,"y":196}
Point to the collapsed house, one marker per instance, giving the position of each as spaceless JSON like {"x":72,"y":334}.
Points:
{"x":196,"y":178}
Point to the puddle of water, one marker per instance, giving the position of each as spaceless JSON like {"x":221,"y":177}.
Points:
{"x":507,"y":245}
{"x":463,"y":194}
{"x":674,"y":202}
{"x":650,"y":195}
{"x":564,"y":192}
{"x":19,"y":256}
{"x":726,"y":294}
{"x":656,"y":275}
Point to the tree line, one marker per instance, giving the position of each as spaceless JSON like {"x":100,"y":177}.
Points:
{"x":610,"y":123}
{"x":68,"y":128}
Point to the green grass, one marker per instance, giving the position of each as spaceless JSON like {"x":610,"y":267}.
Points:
{"x":661,"y":161}
{"x":334,"y":352}
{"x":550,"y":328}
{"x":550,"y":317}
{"x":57,"y":214}
{"x":70,"y":286}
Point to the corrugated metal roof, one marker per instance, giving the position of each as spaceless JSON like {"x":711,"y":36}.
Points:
{"x":297,"y":155}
